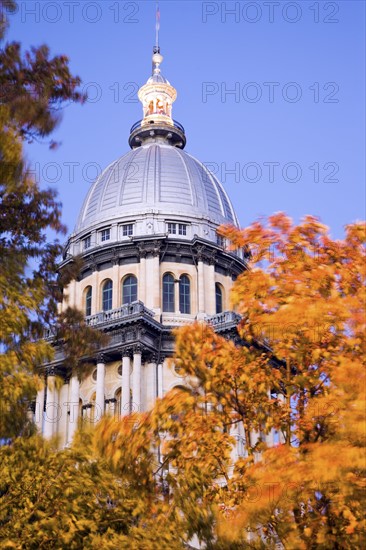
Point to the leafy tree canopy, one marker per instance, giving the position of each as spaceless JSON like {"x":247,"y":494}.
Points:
{"x":33,"y":88}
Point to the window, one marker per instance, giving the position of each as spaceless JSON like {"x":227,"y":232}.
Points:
{"x":220,"y":240}
{"x":218,"y":291}
{"x":168,"y":293}
{"x":184,"y":294}
{"x":177,"y":228}
{"x":87,"y":242}
{"x":172,"y":228}
{"x":129,"y":290}
{"x":127,"y":229}
{"x":88,"y":301}
{"x":105,"y":235}
{"x":107,"y":294}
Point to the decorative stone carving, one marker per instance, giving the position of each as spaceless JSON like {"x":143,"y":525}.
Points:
{"x":138,"y":348}
{"x":141,"y":250}
{"x":115,"y":257}
{"x":126,"y":351}
{"x":101,"y":358}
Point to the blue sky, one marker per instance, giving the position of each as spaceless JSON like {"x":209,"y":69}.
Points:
{"x":291,"y":134}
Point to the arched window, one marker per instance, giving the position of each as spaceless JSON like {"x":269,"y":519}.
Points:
{"x":88,"y":301}
{"x":107,"y":294}
{"x":184,"y":294}
{"x":129,"y":290}
{"x":168,"y":293}
{"x":219,"y":305}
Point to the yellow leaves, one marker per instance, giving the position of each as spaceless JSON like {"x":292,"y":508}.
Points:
{"x":352,"y":521}
{"x":160,"y":472}
{"x":9,"y":544}
{"x":116,"y":457}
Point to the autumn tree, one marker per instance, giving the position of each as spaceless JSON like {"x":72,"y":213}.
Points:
{"x":89,"y":496}
{"x":295,"y":374}
{"x":293,"y":381}
{"x":83,"y":496}
{"x":33,"y":88}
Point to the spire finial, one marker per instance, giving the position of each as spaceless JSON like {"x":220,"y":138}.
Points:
{"x":157,"y":29}
{"x":157,"y":97}
{"x":157,"y":57}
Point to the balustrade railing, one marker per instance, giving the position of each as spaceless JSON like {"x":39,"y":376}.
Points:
{"x":226,"y":317}
{"x":138,"y":308}
{"x":135,"y":308}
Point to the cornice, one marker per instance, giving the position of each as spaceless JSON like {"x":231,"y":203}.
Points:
{"x":167,"y":249}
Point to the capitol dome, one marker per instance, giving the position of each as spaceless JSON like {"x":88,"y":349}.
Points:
{"x":159,"y":178}
{"x":152,"y":260}
{"x":156,"y":184}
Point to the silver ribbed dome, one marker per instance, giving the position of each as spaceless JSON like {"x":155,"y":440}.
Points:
{"x":155,"y":177}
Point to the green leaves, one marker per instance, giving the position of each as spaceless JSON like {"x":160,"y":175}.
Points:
{"x":33,"y":89}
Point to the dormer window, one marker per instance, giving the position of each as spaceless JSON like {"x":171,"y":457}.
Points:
{"x":127,"y":230}
{"x":220,"y":241}
{"x":177,"y":228}
{"x":172,"y":228}
{"x":87,"y":242}
{"x":105,"y":235}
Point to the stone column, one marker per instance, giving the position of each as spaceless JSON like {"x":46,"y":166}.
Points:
{"x":136,"y":379}
{"x":125,"y":398}
{"x":160,"y":378}
{"x":150,"y":383}
{"x":176,"y":297}
{"x":116,"y":292}
{"x":71,"y":298}
{"x":150,"y":281}
{"x":63,"y":416}
{"x":100,"y":390}
{"x":50,"y":415}
{"x":95,"y":293}
{"x":142,"y":280}
{"x":234,"y":432}
{"x":73,"y":412}
{"x":210,"y":290}
{"x":201,"y":289}
{"x":38,"y":413}
{"x":156,"y":281}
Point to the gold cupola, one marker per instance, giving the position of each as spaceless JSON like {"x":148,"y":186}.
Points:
{"x":157,"y":97}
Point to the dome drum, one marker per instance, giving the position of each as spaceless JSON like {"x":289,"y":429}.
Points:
{"x":144,"y":225}
{"x":168,"y":248}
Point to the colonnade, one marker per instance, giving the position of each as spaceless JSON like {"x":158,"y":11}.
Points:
{"x":53,"y":403}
